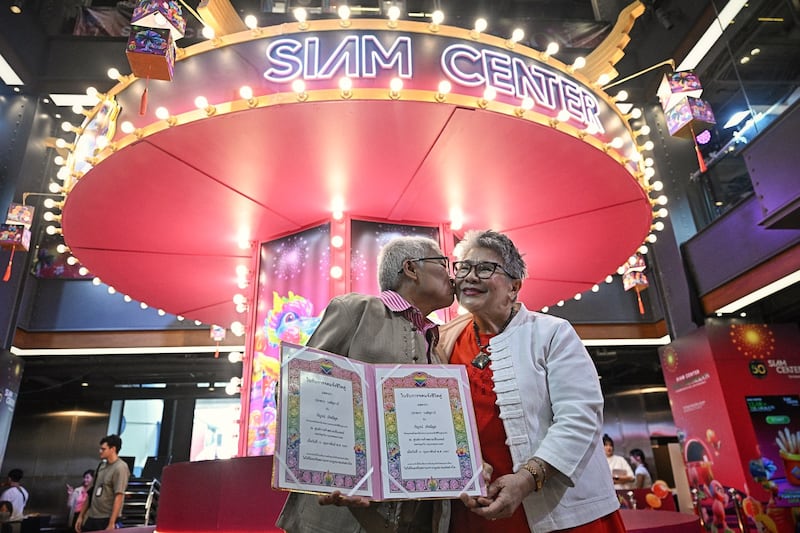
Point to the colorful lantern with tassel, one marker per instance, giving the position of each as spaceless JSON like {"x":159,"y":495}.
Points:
{"x":15,"y":234}
{"x":633,"y":277}
{"x":217,"y":335}
{"x":685,"y":111}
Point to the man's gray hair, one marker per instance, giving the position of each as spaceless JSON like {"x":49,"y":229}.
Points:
{"x":398,"y":251}
{"x":498,"y":243}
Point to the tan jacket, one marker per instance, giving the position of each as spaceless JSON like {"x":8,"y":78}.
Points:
{"x":362,"y":327}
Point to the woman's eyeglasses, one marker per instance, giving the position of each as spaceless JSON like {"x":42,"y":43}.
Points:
{"x":483,"y":269}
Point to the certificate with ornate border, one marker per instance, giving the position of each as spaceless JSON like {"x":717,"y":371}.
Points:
{"x":387,"y":432}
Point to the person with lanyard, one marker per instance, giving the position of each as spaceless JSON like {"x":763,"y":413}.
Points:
{"x":537,"y":399}
{"x":16,"y":495}
{"x":413,"y":274}
{"x":107,"y":495}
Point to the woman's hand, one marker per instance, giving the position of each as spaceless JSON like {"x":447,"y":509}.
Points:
{"x":338,"y":499}
{"x":504,"y":496}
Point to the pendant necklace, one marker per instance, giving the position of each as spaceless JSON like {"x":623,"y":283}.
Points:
{"x":484,"y":351}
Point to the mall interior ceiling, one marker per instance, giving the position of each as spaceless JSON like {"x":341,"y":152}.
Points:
{"x":766,"y":32}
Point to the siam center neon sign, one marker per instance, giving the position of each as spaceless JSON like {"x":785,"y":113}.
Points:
{"x":471,"y":66}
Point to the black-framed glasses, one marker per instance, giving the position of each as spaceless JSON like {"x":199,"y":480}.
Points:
{"x":440,"y":259}
{"x":483,"y":269}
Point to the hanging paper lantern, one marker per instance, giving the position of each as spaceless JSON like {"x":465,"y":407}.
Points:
{"x":160,"y":14}
{"x":633,"y":277}
{"x":686,"y":113}
{"x":151,"y":53}
{"x":15,"y":234}
{"x":217,"y":335}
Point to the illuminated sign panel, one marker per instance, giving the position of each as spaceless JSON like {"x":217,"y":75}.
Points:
{"x":423,"y":60}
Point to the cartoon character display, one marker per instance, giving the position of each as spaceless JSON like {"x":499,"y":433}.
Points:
{"x":291,"y":319}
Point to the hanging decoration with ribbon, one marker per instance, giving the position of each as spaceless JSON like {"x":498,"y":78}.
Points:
{"x":217,"y":335}
{"x":155,"y":26}
{"x":15,"y":234}
{"x":633,"y":277}
{"x":686,"y":113}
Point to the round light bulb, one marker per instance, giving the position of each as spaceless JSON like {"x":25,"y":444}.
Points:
{"x":657,"y":186}
{"x":111,"y":290}
{"x":337,"y":241}
{"x":54,"y":188}
{"x":161,"y":312}
{"x":603,"y":79}
{"x":239,"y":299}
{"x":113,"y":73}
{"x":648,"y":162}
{"x":142,"y":305}
{"x":251,"y":22}
{"x":48,"y":216}
{"x":208,"y":32}
{"x":644,"y":130}
{"x":71,"y":260}
{"x":649,"y":172}
{"x":609,"y":278}
{"x":658,"y":226}
{"x":579,"y":62}
{"x":662,"y":213}
{"x":61,"y":248}
{"x":201,"y":102}
{"x":336,"y":272}
{"x":344,"y":12}
{"x":517,"y":35}
{"x":63,"y":173}
{"x":66,"y":126}
{"x":437,"y":17}
{"x":595,"y":288}
{"x":49,"y":203}
{"x":621,"y":96}
{"x":445,"y":87}
{"x":299,"y":86}
{"x":127,"y":299}
{"x":77,"y":109}
{"x":652,"y":238}
{"x":649,"y":145}
{"x":528,"y":103}
{"x":61,"y":143}
{"x":300,"y":14}
{"x":246,"y":92}
{"x":127,"y":127}
{"x":345,"y":84}
{"x":91,"y":92}
{"x":396,"y":85}
{"x":242,"y":271}
{"x":643,"y":250}
{"x":490,"y":94}
{"x":662,"y":200}
{"x":394,"y":13}
{"x":96,"y":281}
{"x":237,"y":328}
{"x":563,"y":116}
{"x":481,"y":25}
{"x":235,"y":357}
{"x":552,"y":48}
{"x":162,"y":113}
{"x":636,"y":113}
{"x":58,"y":160}
{"x":83,"y":271}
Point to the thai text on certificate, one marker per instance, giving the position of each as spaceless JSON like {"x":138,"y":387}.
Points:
{"x":426,"y":435}
{"x":327,"y":436}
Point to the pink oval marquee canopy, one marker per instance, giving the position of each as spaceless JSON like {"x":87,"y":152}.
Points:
{"x":160,"y":212}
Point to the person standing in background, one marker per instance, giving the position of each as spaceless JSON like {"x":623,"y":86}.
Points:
{"x":108,"y":492}
{"x":16,"y":495}
{"x":621,"y":471}
{"x":642,"y":473}
{"x":76,"y":497}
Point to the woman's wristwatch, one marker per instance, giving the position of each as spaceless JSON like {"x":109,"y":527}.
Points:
{"x":537,"y":471}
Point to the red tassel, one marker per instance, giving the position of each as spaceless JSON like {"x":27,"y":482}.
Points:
{"x":700,"y":160}
{"x":7,"y":275}
{"x":216,"y":353}
{"x":143,"y":102}
{"x":639,"y":297}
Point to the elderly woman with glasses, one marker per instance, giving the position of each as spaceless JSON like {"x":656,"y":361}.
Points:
{"x":538,"y":403}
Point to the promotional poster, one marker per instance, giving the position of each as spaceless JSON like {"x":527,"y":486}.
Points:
{"x":713,"y":377}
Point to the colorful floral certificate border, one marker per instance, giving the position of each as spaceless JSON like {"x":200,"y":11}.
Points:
{"x":324,"y":429}
{"x":413,"y":437}
{"x":429,"y":443}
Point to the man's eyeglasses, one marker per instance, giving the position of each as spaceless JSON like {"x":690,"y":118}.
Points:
{"x":483,"y":269}
{"x":441,"y":260}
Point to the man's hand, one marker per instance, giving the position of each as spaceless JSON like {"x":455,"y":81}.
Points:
{"x":338,"y":499}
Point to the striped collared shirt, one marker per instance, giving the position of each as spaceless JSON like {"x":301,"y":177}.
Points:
{"x":425,"y":326}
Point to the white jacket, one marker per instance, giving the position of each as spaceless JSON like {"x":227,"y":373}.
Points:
{"x":552,"y":407}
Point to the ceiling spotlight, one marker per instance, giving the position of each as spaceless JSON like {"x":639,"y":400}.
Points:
{"x":16,"y":7}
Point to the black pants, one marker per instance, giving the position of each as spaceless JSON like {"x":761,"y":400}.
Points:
{"x":95,"y":524}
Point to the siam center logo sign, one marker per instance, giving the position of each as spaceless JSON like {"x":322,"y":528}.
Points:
{"x":372,"y":58}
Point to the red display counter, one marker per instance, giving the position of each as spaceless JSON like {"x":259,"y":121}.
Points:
{"x":232,"y":495}
{"x":648,"y":521}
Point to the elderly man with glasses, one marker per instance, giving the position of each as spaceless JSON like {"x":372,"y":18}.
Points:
{"x":414,"y":278}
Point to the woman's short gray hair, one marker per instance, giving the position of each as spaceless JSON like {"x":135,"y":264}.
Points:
{"x":395,"y":253}
{"x":498,"y":243}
